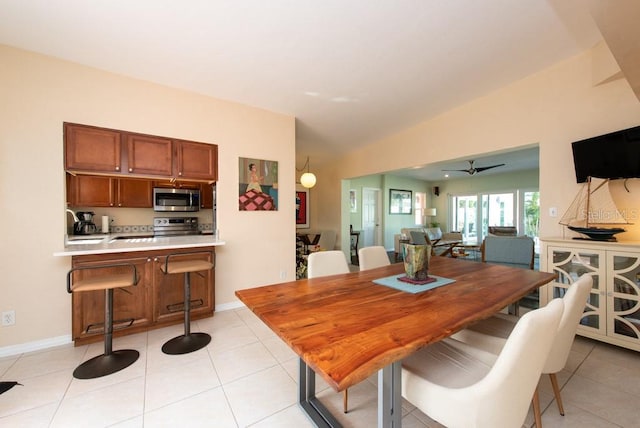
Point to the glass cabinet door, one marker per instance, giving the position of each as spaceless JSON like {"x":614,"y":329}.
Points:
{"x":569,"y":264}
{"x":623,"y":299}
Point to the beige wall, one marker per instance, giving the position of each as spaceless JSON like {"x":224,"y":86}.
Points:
{"x":551,"y":108}
{"x":38,"y":94}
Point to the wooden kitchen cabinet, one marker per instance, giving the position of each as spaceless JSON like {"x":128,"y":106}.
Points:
{"x":103,"y":151}
{"x":155,"y":302}
{"x":104,"y":191}
{"x":88,"y":148}
{"x":196,"y":161}
{"x":149,"y":155}
{"x":206,"y":195}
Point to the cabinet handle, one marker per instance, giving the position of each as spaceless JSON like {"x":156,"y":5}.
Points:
{"x":155,"y":259}
{"x":148,"y":259}
{"x":180,"y":173}
{"x":117,"y":168}
{"x":130,"y":169}
{"x":119,"y":205}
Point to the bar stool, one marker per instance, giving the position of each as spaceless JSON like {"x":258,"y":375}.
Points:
{"x":187,"y":342}
{"x":110,"y":361}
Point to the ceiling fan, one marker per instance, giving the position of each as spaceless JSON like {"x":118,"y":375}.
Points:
{"x":472,"y":170}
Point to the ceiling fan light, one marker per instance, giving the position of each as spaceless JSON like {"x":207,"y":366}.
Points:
{"x":308,"y":180}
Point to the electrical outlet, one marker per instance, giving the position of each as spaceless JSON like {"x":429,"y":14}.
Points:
{"x":283,"y":274}
{"x":8,"y":318}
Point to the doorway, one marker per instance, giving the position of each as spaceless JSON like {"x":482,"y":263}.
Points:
{"x":371,"y":215}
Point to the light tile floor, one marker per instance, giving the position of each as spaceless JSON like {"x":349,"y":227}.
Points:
{"x":247,"y":377}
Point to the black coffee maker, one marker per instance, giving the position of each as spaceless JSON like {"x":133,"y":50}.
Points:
{"x":82,"y":223}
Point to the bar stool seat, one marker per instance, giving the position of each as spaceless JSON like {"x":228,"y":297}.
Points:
{"x":110,"y":361}
{"x":187,"y":342}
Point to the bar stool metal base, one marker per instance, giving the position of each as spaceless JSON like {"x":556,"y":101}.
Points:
{"x":103,"y":365}
{"x":185,"y":344}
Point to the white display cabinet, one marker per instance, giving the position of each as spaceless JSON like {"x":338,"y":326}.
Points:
{"x":612,"y":312}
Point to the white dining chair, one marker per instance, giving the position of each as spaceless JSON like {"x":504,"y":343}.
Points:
{"x":460,"y":389}
{"x":373,"y":257}
{"x":324,"y":263}
{"x":490,"y":335}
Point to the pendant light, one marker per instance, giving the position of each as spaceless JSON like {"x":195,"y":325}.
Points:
{"x":308,"y":179}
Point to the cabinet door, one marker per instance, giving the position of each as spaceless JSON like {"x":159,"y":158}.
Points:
{"x":169,"y":290}
{"x":134,"y":193}
{"x":91,"y":149}
{"x":571,"y":263}
{"x":623,"y":296}
{"x":90,"y":191}
{"x":206,"y":195}
{"x":149,"y":155}
{"x":197,"y":161}
{"x":130,"y":305}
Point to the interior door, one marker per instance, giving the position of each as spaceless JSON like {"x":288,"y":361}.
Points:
{"x":371,"y":230}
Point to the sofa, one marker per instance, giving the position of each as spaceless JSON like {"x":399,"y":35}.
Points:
{"x":436,"y":236}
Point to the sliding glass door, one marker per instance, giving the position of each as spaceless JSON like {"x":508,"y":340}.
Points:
{"x":520,"y":208}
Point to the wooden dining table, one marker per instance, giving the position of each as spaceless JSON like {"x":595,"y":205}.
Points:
{"x":345,"y":327}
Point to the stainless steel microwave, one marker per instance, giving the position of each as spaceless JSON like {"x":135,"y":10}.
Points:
{"x":179,"y":200}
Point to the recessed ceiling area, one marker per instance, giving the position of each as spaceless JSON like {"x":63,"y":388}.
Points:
{"x":516,"y":160}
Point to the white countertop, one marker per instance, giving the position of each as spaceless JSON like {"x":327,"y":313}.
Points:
{"x":103,"y":244}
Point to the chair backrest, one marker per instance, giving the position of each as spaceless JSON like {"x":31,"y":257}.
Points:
{"x":503,"y":396}
{"x":323,"y":263}
{"x":503,"y":230}
{"x":509,"y":250}
{"x":373,"y":257}
{"x":327,"y":240}
{"x":575,"y":300}
{"x":419,"y":238}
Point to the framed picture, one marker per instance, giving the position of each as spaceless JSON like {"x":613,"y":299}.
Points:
{"x":400,"y":201}
{"x":353,"y":202}
{"x":257,"y":185}
{"x":302,"y":207}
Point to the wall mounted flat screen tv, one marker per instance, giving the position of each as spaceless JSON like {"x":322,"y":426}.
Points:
{"x":614,"y":155}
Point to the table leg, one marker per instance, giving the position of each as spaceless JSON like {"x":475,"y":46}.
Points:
{"x":307,"y":399}
{"x":389,"y":396}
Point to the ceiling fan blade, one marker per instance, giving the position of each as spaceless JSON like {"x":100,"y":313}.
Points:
{"x":484,"y":168}
{"x":457,"y":170}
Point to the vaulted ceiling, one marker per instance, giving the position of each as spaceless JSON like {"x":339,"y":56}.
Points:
{"x":350,"y":71}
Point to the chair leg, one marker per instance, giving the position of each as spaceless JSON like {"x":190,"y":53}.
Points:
{"x":536,"y":409}
{"x":345,"y":398}
{"x":556,"y":392}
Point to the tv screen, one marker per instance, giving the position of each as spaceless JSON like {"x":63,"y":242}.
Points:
{"x":614,"y":155}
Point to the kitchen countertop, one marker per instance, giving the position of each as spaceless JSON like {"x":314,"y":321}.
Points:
{"x":126,"y":242}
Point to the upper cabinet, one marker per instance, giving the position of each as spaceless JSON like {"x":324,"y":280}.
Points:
{"x":88,"y":148}
{"x":101,"y":151}
{"x":148,"y":155}
{"x":196,"y":161}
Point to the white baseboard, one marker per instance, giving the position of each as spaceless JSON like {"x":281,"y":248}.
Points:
{"x":38,"y":345}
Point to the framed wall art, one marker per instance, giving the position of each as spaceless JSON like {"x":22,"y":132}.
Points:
{"x":353,"y":201}
{"x":400,"y":201}
{"x":302,"y":207}
{"x":257,"y":185}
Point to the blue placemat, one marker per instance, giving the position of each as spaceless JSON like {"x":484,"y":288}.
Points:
{"x":393,"y":282}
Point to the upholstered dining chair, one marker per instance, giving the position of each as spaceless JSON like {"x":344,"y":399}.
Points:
{"x":373,"y":257}
{"x":324,"y":263}
{"x":490,"y":335}
{"x":460,"y":389}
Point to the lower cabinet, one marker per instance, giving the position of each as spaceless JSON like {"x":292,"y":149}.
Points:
{"x":612,"y":312}
{"x":156,"y":301}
